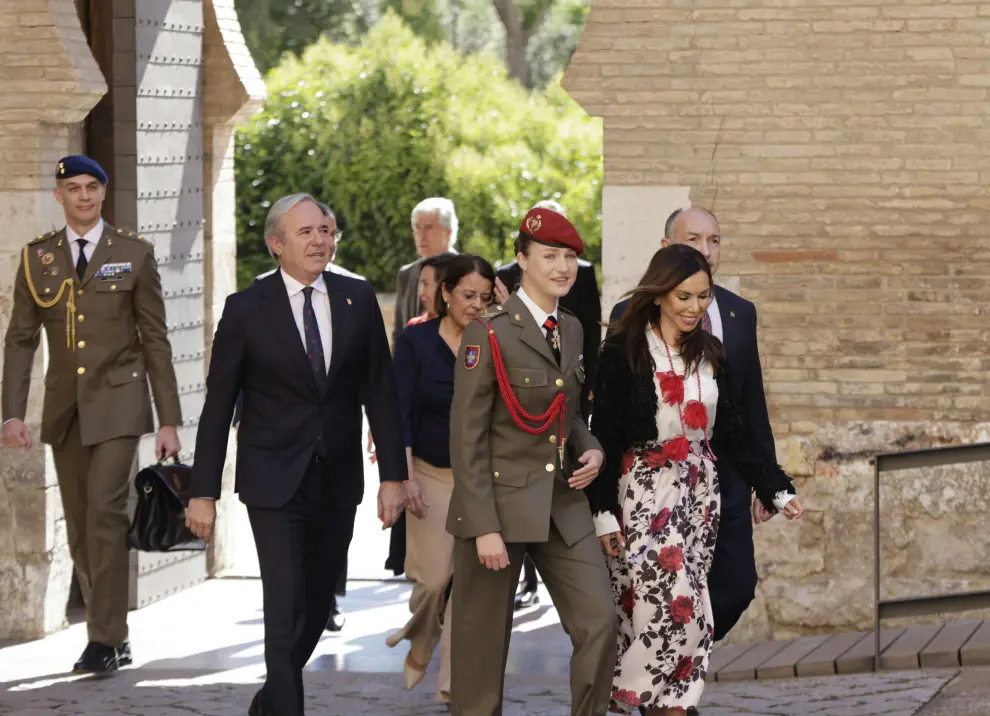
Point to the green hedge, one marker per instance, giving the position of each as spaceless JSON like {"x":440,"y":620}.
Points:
{"x":374,"y":129}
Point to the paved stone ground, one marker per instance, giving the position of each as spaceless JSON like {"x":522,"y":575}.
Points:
{"x":968,"y":694}
{"x":142,"y":692}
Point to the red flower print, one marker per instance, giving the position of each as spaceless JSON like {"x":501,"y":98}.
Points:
{"x":693,"y":471}
{"x":684,"y":669}
{"x":696,"y":415}
{"x":625,"y":696}
{"x":682,"y":610}
{"x":659,"y":521}
{"x":628,"y":460}
{"x":654,"y":459}
{"x":671,"y":387}
{"x":671,"y":558}
{"x":627,"y":600}
{"x":676,"y":449}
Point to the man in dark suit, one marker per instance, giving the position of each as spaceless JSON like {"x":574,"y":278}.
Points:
{"x":585,"y":302}
{"x":732,"y":579}
{"x":434,"y":225}
{"x":308,"y":349}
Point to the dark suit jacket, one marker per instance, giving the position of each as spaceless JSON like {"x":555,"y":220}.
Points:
{"x":745,"y":385}
{"x":585,"y":303}
{"x":257,"y":350}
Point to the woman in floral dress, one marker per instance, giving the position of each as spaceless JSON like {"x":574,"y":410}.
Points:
{"x":661,"y":395}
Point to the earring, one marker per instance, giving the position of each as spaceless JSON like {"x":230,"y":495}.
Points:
{"x":656,"y":301}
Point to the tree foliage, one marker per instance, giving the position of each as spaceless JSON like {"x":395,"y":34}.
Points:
{"x":373,"y":129}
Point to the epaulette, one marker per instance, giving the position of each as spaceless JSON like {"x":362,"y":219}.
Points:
{"x":49,"y":235}
{"x":131,"y":235}
{"x":564,"y":310}
{"x":494,"y":311}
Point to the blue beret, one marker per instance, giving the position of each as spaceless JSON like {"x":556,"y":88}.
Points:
{"x":76,"y":164}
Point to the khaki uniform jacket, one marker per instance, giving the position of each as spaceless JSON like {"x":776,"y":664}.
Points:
{"x":106,"y":337}
{"x":506,"y":480}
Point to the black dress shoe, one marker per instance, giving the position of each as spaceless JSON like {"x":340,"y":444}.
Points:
{"x":257,"y":707}
{"x":97,"y":659}
{"x":692,"y":711}
{"x":336,"y":621}
{"x":124,"y":654}
{"x":526,"y":597}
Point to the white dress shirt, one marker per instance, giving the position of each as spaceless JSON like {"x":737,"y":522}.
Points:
{"x":321,"y":307}
{"x":539,"y":315}
{"x":715,"y":316}
{"x":92,"y":238}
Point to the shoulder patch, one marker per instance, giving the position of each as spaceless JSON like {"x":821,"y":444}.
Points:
{"x":472,"y":354}
{"x":43,"y":237}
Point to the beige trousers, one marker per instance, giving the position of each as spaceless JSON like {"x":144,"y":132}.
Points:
{"x":429,"y":564}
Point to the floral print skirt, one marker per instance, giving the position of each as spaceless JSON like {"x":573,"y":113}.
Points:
{"x":670,"y":512}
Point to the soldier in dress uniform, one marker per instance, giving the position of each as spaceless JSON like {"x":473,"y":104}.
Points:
{"x":521,"y":455}
{"x":97,"y":293}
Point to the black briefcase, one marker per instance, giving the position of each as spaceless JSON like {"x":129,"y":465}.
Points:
{"x":159,"y":523}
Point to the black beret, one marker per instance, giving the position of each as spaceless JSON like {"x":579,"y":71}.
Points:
{"x":76,"y":165}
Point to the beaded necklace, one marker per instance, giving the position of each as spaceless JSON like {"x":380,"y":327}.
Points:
{"x":701,"y":406}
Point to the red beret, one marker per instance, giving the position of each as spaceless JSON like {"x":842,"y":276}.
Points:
{"x":550,"y":228}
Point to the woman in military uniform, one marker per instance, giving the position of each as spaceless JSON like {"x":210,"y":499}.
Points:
{"x":521,"y":456}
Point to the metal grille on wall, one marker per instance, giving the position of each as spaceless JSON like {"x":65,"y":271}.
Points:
{"x":170,"y":213}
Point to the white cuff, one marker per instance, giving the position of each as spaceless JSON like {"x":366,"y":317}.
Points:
{"x":782,"y":498}
{"x":605,"y":523}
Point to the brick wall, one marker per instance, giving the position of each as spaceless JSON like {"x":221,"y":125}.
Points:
{"x":843,"y":146}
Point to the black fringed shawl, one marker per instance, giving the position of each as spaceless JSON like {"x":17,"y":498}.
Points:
{"x":624,"y":418}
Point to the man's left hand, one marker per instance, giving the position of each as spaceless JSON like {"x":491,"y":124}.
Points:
{"x":391,"y":501}
{"x":591,"y":464}
{"x":167,"y":443}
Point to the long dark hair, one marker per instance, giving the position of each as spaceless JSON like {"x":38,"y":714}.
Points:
{"x":456,"y":269}
{"x":668,"y":268}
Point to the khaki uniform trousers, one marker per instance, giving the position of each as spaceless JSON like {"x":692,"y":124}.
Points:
{"x":578,"y":582}
{"x":429,"y":564}
{"x":93,"y":480}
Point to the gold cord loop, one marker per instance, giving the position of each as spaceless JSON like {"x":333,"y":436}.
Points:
{"x":70,"y":303}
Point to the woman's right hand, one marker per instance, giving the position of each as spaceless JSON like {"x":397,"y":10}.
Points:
{"x":612,"y":544}
{"x":491,"y":551}
{"x":416,"y":498}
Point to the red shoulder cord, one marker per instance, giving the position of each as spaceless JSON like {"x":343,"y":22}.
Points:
{"x":558,"y":408}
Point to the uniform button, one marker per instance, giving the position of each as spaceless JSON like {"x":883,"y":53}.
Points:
{"x":498,"y":308}
{"x":113,"y":287}
{"x":560,"y":382}
{"x":80,"y":370}
{"x":80,"y":318}
{"x":526,"y":380}
{"x":134,"y":374}
{"x":549,"y":467}
{"x":79,"y":292}
{"x":553,"y":439}
{"x":48,"y":290}
{"x":459,"y":519}
{"x":496,"y":475}
{"x":82,"y":344}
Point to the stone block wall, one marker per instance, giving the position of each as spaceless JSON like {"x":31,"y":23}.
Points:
{"x":843,"y":146}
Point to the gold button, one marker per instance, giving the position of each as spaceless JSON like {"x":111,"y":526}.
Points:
{"x":560,"y":382}
{"x":80,"y":318}
{"x":549,"y":467}
{"x":113,"y":287}
{"x":496,"y":475}
{"x":79,"y":292}
{"x":517,"y":317}
{"x":498,"y":308}
{"x":82,"y":344}
{"x":80,"y":370}
{"x":526,"y":380}
{"x":134,"y":374}
{"x":553,"y":439}
{"x":48,"y":290}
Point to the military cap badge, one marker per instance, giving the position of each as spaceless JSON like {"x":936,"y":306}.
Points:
{"x":534,"y":223}
{"x":472,"y":354}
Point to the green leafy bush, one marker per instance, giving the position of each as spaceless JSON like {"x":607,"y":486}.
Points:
{"x":373,"y":129}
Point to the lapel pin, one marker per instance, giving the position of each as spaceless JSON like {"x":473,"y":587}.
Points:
{"x":348,"y":302}
{"x":516,"y":317}
{"x":60,"y":242}
{"x":732,"y":314}
{"x":109,"y":242}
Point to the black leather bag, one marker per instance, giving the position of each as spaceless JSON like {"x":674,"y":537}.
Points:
{"x":159,"y":523}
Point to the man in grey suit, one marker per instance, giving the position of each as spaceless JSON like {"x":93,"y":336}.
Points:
{"x":434,"y":225}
